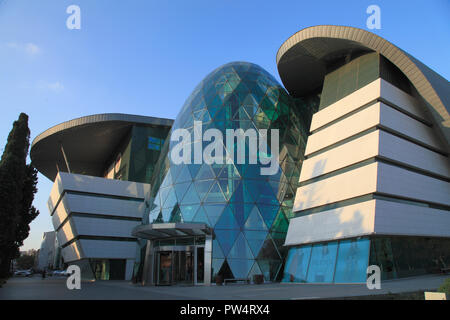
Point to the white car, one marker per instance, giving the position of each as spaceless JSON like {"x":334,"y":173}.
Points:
{"x":62,"y":273}
{"x":23,"y":273}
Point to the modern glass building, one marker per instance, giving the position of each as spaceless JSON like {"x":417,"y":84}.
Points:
{"x":362,"y":177}
{"x":247,"y":212}
{"x":100,"y":165}
{"x":374,"y":188}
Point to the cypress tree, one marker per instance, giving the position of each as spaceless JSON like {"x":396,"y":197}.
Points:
{"x":17,"y":182}
{"x":27,"y":211}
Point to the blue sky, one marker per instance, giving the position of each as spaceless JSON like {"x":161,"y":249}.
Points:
{"x":145,"y":57}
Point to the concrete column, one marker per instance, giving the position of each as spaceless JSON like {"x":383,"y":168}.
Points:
{"x":147,"y":274}
{"x":208,"y":260}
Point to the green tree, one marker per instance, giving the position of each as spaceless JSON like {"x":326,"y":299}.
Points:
{"x":17,"y":187}
{"x":26,"y":260}
{"x":27,"y":211}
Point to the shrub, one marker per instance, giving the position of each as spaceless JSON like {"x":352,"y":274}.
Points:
{"x":445,"y":287}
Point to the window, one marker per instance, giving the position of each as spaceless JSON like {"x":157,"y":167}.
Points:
{"x":155,"y":143}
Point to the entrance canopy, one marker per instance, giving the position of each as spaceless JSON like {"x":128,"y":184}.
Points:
{"x":171,"y":230}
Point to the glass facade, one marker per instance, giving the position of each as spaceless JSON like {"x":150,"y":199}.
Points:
{"x":248,"y":211}
{"x":342,"y":261}
{"x":400,"y":257}
{"x":138,"y":153}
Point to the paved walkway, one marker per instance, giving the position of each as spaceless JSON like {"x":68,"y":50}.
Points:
{"x":55,"y":288}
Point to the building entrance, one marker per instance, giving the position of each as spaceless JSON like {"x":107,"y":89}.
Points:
{"x":179,"y":265}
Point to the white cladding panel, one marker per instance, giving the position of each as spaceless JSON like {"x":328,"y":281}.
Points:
{"x":349,"y":221}
{"x":344,"y":186}
{"x":103,"y":227}
{"x":370,"y":217}
{"x":376,"y":89}
{"x":409,"y":153}
{"x":72,"y":252}
{"x":107,"y":206}
{"x":403,"y":219}
{"x":61,"y":213}
{"x":89,"y":184}
{"x":342,"y":156}
{"x":402,"y":100}
{"x":354,"y":124}
{"x":408,"y":126}
{"x":346,"y":105}
{"x":393,"y":180}
{"x":106,"y":249}
{"x":66,"y":233}
{"x":377,"y":114}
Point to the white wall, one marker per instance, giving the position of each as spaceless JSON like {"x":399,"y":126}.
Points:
{"x":85,"y":203}
{"x":395,"y":181}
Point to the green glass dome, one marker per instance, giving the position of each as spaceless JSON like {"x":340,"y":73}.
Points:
{"x":248,"y":212}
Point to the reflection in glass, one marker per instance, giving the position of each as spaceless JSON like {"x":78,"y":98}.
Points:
{"x":296,"y":266}
{"x":323,"y":259}
{"x":248,"y":211}
{"x":352,"y":261}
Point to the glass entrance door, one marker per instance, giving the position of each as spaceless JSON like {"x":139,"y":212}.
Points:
{"x":164,"y":268}
{"x":200,"y":270}
{"x":179,"y":265}
{"x":183,"y":267}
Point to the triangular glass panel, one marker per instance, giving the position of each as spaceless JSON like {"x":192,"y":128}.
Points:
{"x":205,"y":173}
{"x":154,"y":215}
{"x":175,"y":171}
{"x":279,"y":239}
{"x":213,"y":212}
{"x":166,"y":214}
{"x":216,"y":264}
{"x":217,"y":250}
{"x":268,"y":213}
{"x":280,"y":224}
{"x":193,"y":169}
{"x":184,"y":175}
{"x":198,"y":115}
{"x":215,"y":194}
{"x":221,"y":115}
{"x":188,"y":212}
{"x":217,"y":168}
{"x":175,"y":215}
{"x":159,"y":219}
{"x":254,"y":271}
{"x":167,"y":180}
{"x":240,"y":211}
{"x":228,"y":186}
{"x":240,"y":267}
{"x":206,"y":117}
{"x":163,"y":194}
{"x":278,"y":188}
{"x":255,"y":240}
{"x":202,"y":188}
{"x":190,"y":196}
{"x":171,"y":199}
{"x":261,"y":192}
{"x":227,"y":220}
{"x":289,"y":214}
{"x":180,"y":189}
{"x":242,"y":194}
{"x":229,"y":171}
{"x":214,"y":109}
{"x":268,"y":250}
{"x":269,"y":268}
{"x":255,"y":221}
{"x":240,"y":249}
{"x":226,"y":238}
{"x":201,"y":217}
{"x":225,"y":271}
